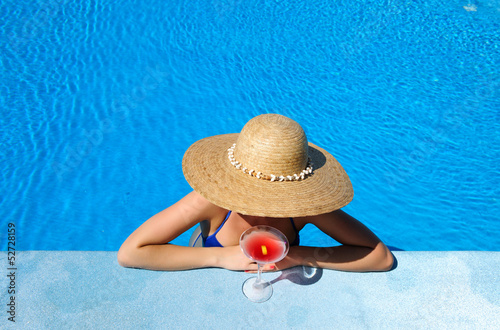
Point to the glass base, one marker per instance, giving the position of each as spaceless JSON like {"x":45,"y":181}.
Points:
{"x":257,"y":292}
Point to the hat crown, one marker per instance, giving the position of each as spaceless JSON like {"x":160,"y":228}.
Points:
{"x":273,"y":144}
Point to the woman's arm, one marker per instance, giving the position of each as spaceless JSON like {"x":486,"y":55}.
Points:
{"x":361,"y":249}
{"x":147,"y":247}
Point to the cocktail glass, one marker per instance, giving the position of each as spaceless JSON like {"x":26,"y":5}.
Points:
{"x":264,"y":245}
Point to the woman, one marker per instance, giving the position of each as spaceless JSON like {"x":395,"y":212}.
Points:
{"x":266,"y":175}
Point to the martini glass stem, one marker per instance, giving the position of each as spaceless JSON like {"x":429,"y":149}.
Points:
{"x":259,"y":271}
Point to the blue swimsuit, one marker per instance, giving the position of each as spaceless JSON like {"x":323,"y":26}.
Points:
{"x":211,"y":241}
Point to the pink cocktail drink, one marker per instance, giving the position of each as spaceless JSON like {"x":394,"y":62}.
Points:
{"x":264,"y":247}
{"x":262,"y":244}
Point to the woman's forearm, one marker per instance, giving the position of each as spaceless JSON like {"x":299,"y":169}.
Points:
{"x":174,"y":257}
{"x":344,"y":257}
{"x":168,"y":257}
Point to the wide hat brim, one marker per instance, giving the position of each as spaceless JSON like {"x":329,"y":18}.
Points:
{"x":208,"y":170}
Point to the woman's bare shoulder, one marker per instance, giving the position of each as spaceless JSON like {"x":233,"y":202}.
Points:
{"x":330,"y":216}
{"x":198,"y":207}
{"x":166,"y":225}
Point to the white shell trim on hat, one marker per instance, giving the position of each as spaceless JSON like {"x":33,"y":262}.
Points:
{"x":270,"y":177}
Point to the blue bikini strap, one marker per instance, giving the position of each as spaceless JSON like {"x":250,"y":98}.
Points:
{"x":222,"y":224}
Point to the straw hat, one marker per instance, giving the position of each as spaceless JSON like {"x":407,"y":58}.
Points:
{"x":269,"y":169}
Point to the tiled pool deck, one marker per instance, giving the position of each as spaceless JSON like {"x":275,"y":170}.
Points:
{"x":427,"y":290}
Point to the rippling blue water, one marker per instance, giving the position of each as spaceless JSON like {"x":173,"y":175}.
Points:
{"x":100,"y":99}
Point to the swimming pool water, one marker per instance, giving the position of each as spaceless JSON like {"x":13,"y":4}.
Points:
{"x":100,"y":99}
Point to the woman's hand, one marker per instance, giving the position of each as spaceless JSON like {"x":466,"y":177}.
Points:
{"x":287,"y":262}
{"x":232,"y":258}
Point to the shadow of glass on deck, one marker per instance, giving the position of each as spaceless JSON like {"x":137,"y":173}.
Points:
{"x":301,"y":275}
